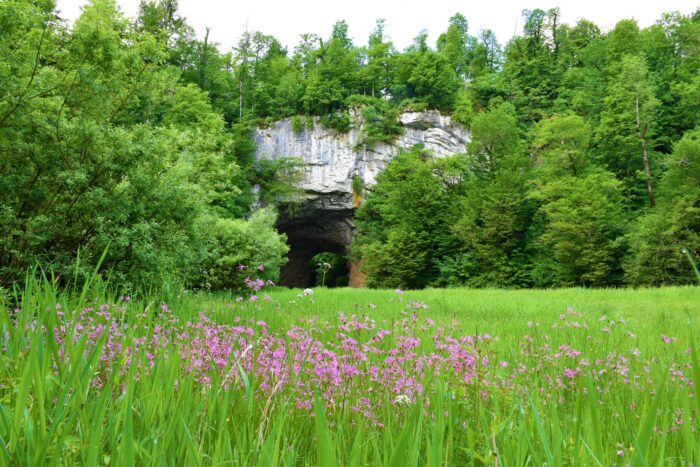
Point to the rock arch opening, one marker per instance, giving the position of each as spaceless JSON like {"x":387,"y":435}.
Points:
{"x":308,"y":234}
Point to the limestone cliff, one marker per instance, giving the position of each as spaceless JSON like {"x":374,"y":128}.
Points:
{"x":333,"y":160}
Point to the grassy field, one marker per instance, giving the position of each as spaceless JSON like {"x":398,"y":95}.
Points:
{"x":351,"y":377}
{"x":497,"y":309}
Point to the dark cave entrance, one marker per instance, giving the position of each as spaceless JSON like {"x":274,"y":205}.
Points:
{"x":311,"y":234}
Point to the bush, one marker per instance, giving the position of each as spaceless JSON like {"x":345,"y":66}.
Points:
{"x":380,"y":121}
{"x":413,"y":105}
{"x":338,"y":121}
{"x":296,"y":124}
{"x":235,"y":243}
{"x":358,"y":185}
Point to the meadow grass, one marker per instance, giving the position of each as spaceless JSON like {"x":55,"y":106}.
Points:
{"x":350,"y":377}
{"x":488,"y":308}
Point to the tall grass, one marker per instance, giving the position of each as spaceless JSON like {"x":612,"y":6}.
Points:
{"x":63,"y":402}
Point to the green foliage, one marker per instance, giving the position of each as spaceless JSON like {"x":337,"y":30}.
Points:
{"x":560,"y":146}
{"x":413,"y":105}
{"x":432,"y":79}
{"x":296,"y":124}
{"x":103,"y":147}
{"x":491,"y":231}
{"x":358,"y":186}
{"x":495,"y":136}
{"x":277,"y":180}
{"x":485,"y":54}
{"x":402,"y":228}
{"x":627,"y":122}
{"x":624,"y":39}
{"x":582,"y":241}
{"x":309,"y":121}
{"x":138,"y":136}
{"x":235,"y":242}
{"x":329,"y":270}
{"x":531,"y":64}
{"x":340,"y":122}
{"x":660,"y":234}
{"x":190,"y":108}
{"x":379,"y":121}
{"x":494,"y":213}
{"x":456,"y":270}
{"x":463,"y":109}
{"x":453,"y":44}
{"x":333,"y":77}
{"x":377,"y":73}
{"x":600,"y":112}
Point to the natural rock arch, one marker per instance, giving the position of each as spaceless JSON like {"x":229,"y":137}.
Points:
{"x":310,"y":232}
{"x":324,"y":222}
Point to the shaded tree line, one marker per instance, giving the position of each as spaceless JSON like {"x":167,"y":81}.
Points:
{"x":543,"y":215}
{"x":582,"y":169}
{"x":106,"y":145}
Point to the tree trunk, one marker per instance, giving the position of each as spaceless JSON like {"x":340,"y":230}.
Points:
{"x":647,"y":169}
{"x":203,"y":60}
{"x":240,"y":98}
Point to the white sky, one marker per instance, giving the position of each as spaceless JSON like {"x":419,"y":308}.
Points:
{"x":286,"y":20}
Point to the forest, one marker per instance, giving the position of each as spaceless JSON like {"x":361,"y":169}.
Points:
{"x":126,"y":143}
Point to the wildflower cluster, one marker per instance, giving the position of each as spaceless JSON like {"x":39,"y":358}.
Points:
{"x":358,"y":363}
{"x":253,"y":282}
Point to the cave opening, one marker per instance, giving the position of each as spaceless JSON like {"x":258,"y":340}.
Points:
{"x":313,"y":235}
{"x":329,"y":270}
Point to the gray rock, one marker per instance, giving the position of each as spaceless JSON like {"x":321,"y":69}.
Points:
{"x":332,"y":160}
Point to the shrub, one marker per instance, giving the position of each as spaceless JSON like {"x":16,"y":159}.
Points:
{"x":357,"y":190}
{"x":235,"y":243}
{"x":338,"y":121}
{"x":411,"y":105}
{"x":296,"y":124}
{"x":380,"y":121}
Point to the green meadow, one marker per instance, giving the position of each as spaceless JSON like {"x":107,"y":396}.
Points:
{"x":350,"y":377}
{"x":496,"y":310}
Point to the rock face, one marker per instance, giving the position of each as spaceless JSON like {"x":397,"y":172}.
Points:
{"x":325,"y":220}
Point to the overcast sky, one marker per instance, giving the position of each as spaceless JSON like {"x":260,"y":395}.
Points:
{"x":287,"y":19}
